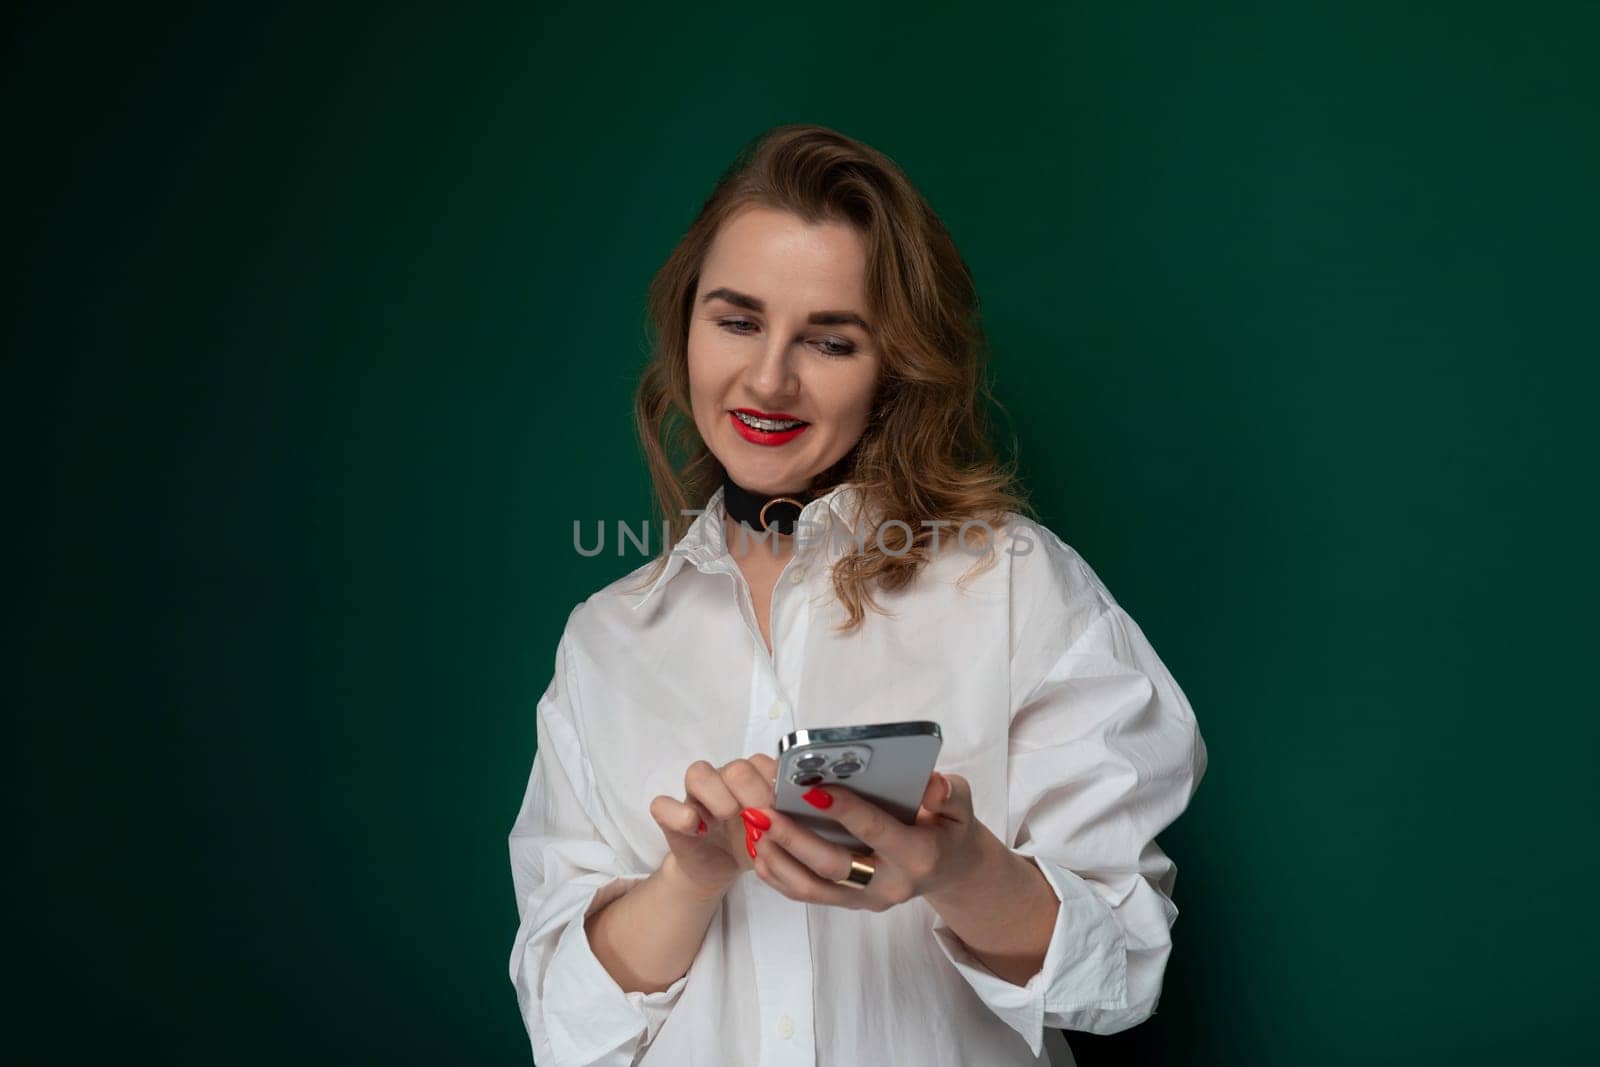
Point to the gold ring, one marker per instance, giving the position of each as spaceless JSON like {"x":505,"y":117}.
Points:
{"x":861,"y":872}
{"x":777,"y":499}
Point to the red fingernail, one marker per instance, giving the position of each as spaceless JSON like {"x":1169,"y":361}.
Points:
{"x":701,"y":828}
{"x":754,"y":818}
{"x":750,"y":842}
{"x":817,"y":798}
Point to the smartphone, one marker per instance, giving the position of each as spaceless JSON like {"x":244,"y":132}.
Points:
{"x":886,"y":763}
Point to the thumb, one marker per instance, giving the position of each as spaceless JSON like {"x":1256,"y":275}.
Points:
{"x":937,"y":795}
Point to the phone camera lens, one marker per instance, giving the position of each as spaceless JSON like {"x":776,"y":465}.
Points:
{"x":812,"y":762}
{"x":806,"y":778}
{"x":845,"y":767}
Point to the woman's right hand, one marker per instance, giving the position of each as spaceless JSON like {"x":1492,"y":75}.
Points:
{"x":710,"y":861}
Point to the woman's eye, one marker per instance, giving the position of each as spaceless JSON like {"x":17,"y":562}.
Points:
{"x":833,"y":347}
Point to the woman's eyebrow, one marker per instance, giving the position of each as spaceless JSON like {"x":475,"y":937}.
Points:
{"x":817,"y":318}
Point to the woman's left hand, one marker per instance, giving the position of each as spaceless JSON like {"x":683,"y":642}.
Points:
{"x":945,"y":845}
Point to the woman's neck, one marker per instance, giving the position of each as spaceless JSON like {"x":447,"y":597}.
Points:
{"x":750,"y":546}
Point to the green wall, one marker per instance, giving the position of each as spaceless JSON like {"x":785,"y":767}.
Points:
{"x":324,"y":329}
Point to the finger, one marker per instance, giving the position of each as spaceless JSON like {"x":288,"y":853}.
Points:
{"x":747,"y":783}
{"x":821,"y":857}
{"x":704,"y":785}
{"x":766,"y":765}
{"x":677,"y":816}
{"x":958,"y":805}
{"x":796,"y":881}
{"x":705,"y":819}
{"x":871,"y":825}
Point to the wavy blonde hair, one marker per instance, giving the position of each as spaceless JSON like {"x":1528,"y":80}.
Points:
{"x":926,"y":453}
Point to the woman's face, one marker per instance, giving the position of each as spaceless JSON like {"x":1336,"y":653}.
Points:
{"x":779,"y":330}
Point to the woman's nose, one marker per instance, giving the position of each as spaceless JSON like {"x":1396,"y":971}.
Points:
{"x":773,"y":375}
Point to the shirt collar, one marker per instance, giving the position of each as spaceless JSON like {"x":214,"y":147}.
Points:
{"x":706,"y":541}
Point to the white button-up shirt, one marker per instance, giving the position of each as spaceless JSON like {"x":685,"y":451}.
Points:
{"x":1078,"y":743}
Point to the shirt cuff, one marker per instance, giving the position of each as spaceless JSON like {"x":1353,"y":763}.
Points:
{"x":1084,"y":967}
{"x":588,"y":1016}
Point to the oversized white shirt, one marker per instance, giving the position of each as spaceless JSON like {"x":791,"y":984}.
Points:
{"x":1078,"y":743}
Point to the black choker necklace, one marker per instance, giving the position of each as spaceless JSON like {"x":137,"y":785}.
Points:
{"x":760,"y":511}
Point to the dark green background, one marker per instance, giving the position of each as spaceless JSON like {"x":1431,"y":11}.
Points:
{"x":325,"y":327}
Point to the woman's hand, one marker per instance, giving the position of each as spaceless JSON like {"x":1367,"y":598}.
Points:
{"x":704,"y":830}
{"x":945,"y":846}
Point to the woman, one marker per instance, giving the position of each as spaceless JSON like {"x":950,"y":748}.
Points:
{"x":819,"y":372}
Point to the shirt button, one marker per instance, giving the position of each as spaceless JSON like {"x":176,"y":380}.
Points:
{"x":777,"y":710}
{"x":786,"y":1027}
{"x":797,"y":576}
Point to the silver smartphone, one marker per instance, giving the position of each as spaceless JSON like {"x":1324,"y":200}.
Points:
{"x":887,"y":763}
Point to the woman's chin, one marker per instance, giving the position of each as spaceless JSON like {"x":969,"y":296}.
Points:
{"x":769,"y":478}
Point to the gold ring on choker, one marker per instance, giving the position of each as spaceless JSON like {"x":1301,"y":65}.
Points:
{"x":776,"y":500}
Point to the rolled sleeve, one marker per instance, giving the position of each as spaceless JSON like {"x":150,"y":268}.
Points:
{"x":1084,"y":969}
{"x":587,"y":1017}
{"x":1105,"y":753}
{"x":574,"y":1010}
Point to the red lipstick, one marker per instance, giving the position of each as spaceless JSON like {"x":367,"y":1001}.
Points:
{"x":759,"y":436}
